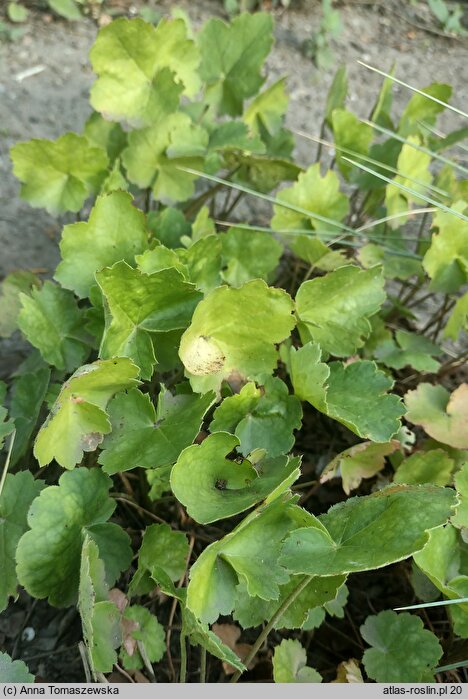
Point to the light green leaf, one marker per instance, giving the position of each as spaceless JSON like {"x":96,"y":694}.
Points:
{"x":149,"y":635}
{"x":49,"y":555}
{"x":252,"y":611}
{"x":261,"y":418}
{"x":203,"y":260}
{"x":159,"y":258}
{"x":419,"y":108}
{"x":336,"y":96}
{"x":213,"y":487}
{"x":106,"y":134}
{"x":78,"y":421}
{"x":349,"y":132}
{"x":290,"y":664}
{"x":460,"y":518}
{"x":392,"y":256}
{"x":234,"y":136}
{"x":414,"y":165}
{"x":458,"y":320}
{"x":17,"y":12}
{"x":200,"y":635}
{"x":58,"y":175}
{"x":169,"y":226}
{"x":142,"y":437}
{"x":409,"y":349}
{"x":317,"y":254}
{"x":336,"y":308}
{"x":14,"y":670}
{"x":233,"y":331}
{"x":6,"y":426}
{"x":232,"y":57}
{"x":249,"y":255}
{"x":51,"y":321}
{"x":263,"y":173}
{"x":155,"y":155}
{"x":12,"y":286}
{"x":267,"y":109}
{"x":446,"y":261}
{"x":142,"y":71}
{"x":354,"y":394}
{"x":16,"y":497}
{"x":443,"y":560}
{"x":139,"y":304}
{"x":115,"y":231}
{"x":100,"y":618}
{"x":441,"y":414}
{"x":28,"y":394}
{"x":66,"y":8}
{"x":164,"y":548}
{"x":364,"y":533}
{"x":317,"y":194}
{"x":426,"y":467}
{"x":249,"y":553}
{"x":402,"y":649}
{"x":360,"y":461}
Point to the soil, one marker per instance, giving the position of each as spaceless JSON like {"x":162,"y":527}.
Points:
{"x":55,"y":100}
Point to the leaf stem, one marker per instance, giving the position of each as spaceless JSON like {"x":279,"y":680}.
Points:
{"x":276,"y":616}
{"x":183,"y":658}
{"x":7,"y":462}
{"x":202,"y":664}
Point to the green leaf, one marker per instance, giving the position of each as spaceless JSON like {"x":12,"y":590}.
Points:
{"x":426,"y":467}
{"x":6,"y":426}
{"x":234,"y":136}
{"x":458,"y":320}
{"x":149,"y":635}
{"x":51,"y":321}
{"x":142,"y":437}
{"x":165,"y":549}
{"x":66,"y":8}
{"x":252,"y":611}
{"x":115,"y":231}
{"x":267,"y":109}
{"x":261,"y":418}
{"x":317,"y":194}
{"x":14,"y":670}
{"x":350,"y":133}
{"x":446,"y":261}
{"x":360,"y":461}
{"x":100,"y":618}
{"x":232,"y":57}
{"x":16,"y":12}
{"x":249,"y":553}
{"x":159,"y":258}
{"x":364,"y":533}
{"x":441,"y":414}
{"x":203,"y":260}
{"x":262,"y":173}
{"x":213,"y":487}
{"x":106,"y":134}
{"x":336,"y":96}
{"x":49,"y":555}
{"x":28,"y":394}
{"x":169,"y":226}
{"x":419,"y":108}
{"x":409,"y":349}
{"x":155,"y":155}
{"x":58,"y":175}
{"x":139,"y":304}
{"x":15,"y":500}
{"x":249,"y":255}
{"x":233,"y":331}
{"x":414,"y":165}
{"x":317,"y":254}
{"x":200,"y":635}
{"x":402,"y":649}
{"x":460,"y":518}
{"x":142,"y":71}
{"x":78,"y":421}
{"x":290,"y":664}
{"x":336,"y":308}
{"x":12,"y":286}
{"x":354,"y":394}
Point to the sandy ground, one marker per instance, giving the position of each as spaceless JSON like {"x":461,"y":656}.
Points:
{"x":56,"y":99}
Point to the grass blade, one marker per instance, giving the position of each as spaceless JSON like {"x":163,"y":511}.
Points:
{"x":441,"y":603}
{"x":414,"y":89}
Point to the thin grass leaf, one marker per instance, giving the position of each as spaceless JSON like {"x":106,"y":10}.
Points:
{"x":408,"y":190}
{"x":414,"y":89}
{"x":441,"y":603}
{"x":441,"y":135}
{"x":452,"y":666}
{"x":401,"y":214}
{"x":372,"y":161}
{"x":422,"y":149}
{"x":267,"y":197}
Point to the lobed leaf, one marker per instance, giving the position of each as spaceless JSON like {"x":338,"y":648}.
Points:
{"x":442,"y":415}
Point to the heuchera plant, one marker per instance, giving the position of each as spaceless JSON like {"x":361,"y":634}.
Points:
{"x":183,"y":361}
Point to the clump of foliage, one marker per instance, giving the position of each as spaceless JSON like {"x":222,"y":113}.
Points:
{"x":182,"y":362}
